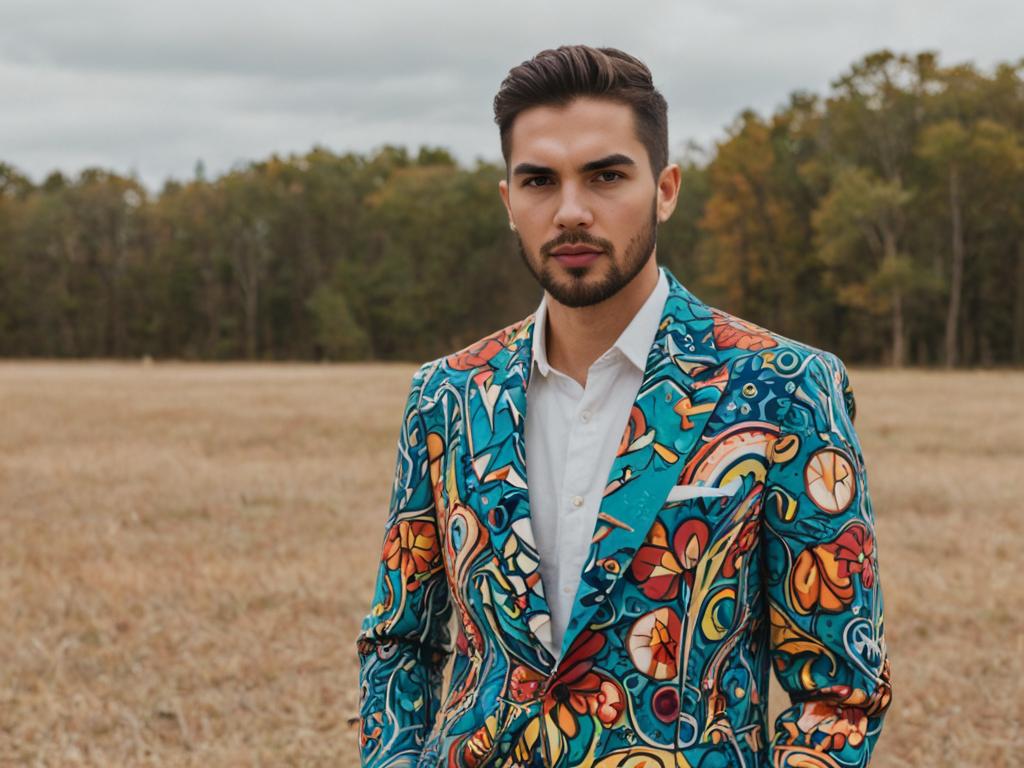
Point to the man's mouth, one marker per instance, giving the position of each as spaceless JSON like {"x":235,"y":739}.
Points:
{"x":576,"y":255}
{"x":580,"y":259}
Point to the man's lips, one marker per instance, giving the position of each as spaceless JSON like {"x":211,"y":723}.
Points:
{"x":576,"y":250}
{"x":577,"y":258}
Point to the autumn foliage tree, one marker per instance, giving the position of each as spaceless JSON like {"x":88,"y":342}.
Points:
{"x":883,"y":220}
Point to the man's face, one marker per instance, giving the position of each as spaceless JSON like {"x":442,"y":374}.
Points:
{"x":580,"y":176}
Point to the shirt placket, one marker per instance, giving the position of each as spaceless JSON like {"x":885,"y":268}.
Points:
{"x":574,"y":523}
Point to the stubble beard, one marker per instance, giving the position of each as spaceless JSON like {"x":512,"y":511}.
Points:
{"x":578,"y":292}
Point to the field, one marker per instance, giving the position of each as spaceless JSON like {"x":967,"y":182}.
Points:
{"x":186,"y":552}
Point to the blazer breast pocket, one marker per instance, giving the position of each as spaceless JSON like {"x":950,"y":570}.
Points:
{"x":697,"y":491}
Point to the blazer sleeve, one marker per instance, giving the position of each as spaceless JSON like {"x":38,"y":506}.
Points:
{"x":404,"y":640}
{"x":823,"y":591}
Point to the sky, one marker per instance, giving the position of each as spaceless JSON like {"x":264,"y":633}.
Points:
{"x":151,"y":88}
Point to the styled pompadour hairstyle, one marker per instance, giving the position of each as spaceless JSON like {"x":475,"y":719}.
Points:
{"x":556,"y":76}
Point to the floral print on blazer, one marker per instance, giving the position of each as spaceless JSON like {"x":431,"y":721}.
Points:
{"x":735,"y":534}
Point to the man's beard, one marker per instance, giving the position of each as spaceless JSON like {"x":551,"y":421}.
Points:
{"x":578,"y":293}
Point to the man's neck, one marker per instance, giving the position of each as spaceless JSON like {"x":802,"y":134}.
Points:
{"x":576,"y":336}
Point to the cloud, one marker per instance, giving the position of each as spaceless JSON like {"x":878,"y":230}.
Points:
{"x":153,"y":87}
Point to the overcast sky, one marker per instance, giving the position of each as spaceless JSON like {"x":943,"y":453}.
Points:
{"x":151,"y":87}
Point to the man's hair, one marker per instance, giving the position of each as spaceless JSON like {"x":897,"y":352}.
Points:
{"x":554,"y":77}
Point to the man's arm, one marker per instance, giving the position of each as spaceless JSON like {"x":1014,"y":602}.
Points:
{"x":823,"y":589}
{"x":404,"y":641}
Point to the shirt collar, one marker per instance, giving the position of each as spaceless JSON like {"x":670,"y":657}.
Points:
{"x":635,"y":340}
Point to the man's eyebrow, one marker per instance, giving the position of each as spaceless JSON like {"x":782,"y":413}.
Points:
{"x":594,"y":165}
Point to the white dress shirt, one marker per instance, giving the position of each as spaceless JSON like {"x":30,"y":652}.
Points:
{"x":572,"y":434}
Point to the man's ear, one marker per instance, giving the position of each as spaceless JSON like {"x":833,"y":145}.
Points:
{"x":668,"y":190}
{"x":503,"y":191}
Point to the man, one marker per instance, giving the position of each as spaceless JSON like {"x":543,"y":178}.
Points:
{"x":683,"y":502}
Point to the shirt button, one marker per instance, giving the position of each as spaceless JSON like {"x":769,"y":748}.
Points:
{"x":577,"y":501}
{"x":567,"y":590}
{"x":585,"y":416}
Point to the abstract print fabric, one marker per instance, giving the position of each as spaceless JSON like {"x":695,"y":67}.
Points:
{"x":735,"y":535}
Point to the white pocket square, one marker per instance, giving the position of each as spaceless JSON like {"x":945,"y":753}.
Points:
{"x":694,"y":491}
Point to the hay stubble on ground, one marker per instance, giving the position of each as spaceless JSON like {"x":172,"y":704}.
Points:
{"x":186,"y":552}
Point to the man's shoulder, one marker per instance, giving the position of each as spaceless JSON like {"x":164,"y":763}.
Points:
{"x":737,"y":336}
{"x":470,"y":358}
{"x":783,"y":358}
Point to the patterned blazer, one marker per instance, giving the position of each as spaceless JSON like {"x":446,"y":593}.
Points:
{"x":735,"y":533}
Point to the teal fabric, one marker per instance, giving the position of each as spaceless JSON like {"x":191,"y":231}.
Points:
{"x":683,"y":606}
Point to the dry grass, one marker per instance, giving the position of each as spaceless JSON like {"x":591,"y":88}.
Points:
{"x":186,"y":552}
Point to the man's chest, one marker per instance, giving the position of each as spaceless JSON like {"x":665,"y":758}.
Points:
{"x":572,"y":435}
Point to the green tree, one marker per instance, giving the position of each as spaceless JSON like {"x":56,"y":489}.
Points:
{"x":858,"y":229}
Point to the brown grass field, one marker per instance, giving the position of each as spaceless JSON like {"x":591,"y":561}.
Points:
{"x":186,"y":552}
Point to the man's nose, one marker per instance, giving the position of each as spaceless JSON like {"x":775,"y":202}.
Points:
{"x":573,"y":208}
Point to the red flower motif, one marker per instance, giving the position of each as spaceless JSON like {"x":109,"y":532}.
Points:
{"x":733,"y":332}
{"x":822,"y":574}
{"x":524,"y":682}
{"x":412,"y":549}
{"x":854,"y":551}
{"x":480,"y":352}
{"x":474,"y":355}
{"x":578,"y":690}
{"x":657,"y":569}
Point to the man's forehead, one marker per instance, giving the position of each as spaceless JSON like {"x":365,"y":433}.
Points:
{"x":569,"y":136}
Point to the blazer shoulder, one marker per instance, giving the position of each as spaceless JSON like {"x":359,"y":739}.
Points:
{"x":739,"y":340}
{"x":477,"y":354}
{"x":453,"y":370}
{"x":737,"y":335}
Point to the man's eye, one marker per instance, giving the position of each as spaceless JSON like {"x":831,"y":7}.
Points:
{"x":615,"y":175}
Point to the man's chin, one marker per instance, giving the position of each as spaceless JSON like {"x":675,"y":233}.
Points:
{"x":572,"y":286}
{"x":578,"y":290}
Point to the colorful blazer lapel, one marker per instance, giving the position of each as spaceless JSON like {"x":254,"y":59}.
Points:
{"x":681,"y":384}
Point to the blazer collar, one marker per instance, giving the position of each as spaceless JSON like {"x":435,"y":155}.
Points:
{"x":682,"y":382}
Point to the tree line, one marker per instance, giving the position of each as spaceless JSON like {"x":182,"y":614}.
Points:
{"x":883,"y":221}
